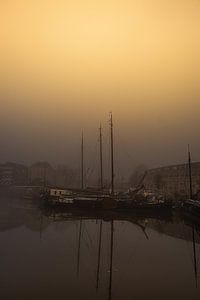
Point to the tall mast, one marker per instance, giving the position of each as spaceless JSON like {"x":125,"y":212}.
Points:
{"x":190,"y":171}
{"x":112,"y":154}
{"x":82,"y":163}
{"x":112,"y":222}
{"x":101,"y":157}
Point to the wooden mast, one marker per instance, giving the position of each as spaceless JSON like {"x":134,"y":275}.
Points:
{"x":112,"y":191}
{"x":112,"y":154}
{"x":101,"y":157}
{"x":190,"y":171}
{"x":101,"y":222}
{"x":82,"y":163}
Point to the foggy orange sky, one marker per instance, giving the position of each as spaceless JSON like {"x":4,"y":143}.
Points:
{"x":65,"y":64}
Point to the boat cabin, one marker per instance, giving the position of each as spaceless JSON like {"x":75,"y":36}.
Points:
{"x":59,"y":192}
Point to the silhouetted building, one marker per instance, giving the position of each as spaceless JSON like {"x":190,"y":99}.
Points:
{"x":173,"y":181}
{"x":13,"y":174}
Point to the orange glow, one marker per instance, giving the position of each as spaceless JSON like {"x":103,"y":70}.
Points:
{"x":139,"y":59}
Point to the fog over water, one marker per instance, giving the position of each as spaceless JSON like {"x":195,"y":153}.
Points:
{"x":66,"y":65}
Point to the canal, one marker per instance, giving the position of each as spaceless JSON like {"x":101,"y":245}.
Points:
{"x":65,"y":255}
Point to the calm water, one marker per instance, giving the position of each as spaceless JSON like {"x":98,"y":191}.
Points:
{"x":57,"y":256}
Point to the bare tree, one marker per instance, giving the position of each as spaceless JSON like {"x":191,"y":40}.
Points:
{"x":137,"y":175}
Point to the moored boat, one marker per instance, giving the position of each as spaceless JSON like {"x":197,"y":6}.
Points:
{"x":100,"y":198}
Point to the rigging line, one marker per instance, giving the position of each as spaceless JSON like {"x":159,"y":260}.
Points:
{"x":88,"y":244}
{"x":88,"y":241}
{"x":88,"y":235}
{"x":90,"y":172}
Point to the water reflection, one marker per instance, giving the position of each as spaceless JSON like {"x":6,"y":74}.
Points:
{"x":71,"y":255}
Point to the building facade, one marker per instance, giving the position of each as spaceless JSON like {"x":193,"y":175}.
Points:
{"x":173,"y":181}
{"x":13,"y":174}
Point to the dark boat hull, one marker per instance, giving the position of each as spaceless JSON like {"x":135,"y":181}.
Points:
{"x":112,"y":205}
{"x":191,"y":207}
{"x":105,"y":214}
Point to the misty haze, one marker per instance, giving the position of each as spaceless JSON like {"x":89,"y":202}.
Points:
{"x":100,"y":149}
